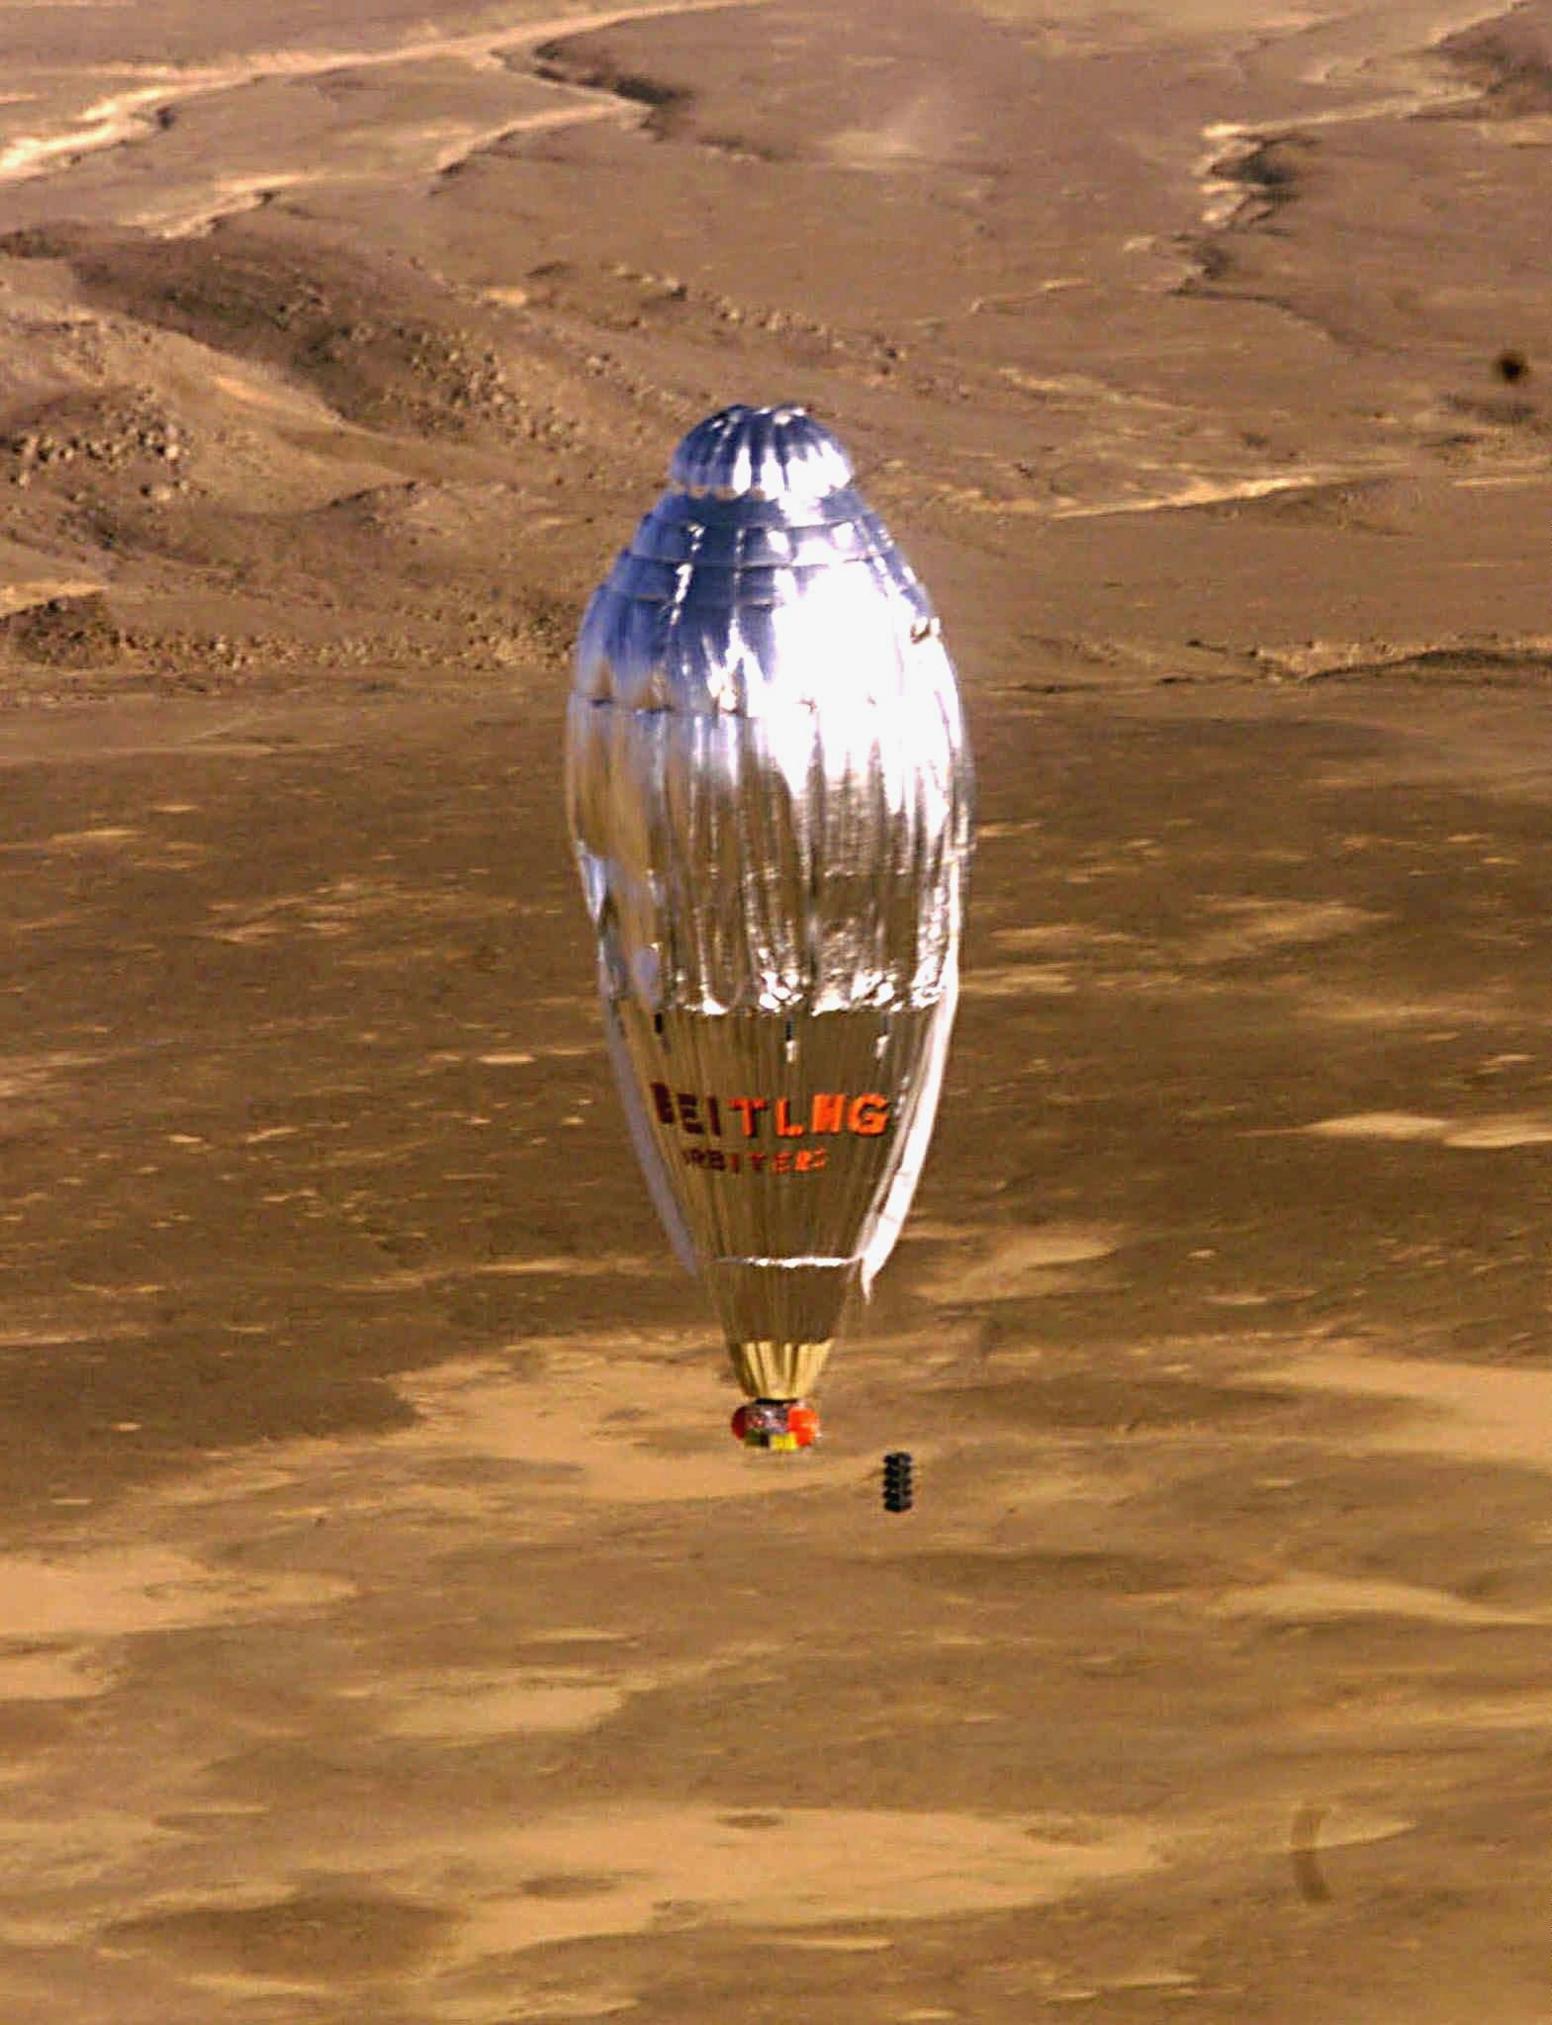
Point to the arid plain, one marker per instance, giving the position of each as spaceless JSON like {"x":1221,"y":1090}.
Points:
{"x":390,"y":1633}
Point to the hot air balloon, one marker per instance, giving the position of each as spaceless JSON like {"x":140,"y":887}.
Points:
{"x":768,"y":789}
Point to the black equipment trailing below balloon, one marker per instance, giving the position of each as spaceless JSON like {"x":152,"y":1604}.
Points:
{"x":899,"y":1481}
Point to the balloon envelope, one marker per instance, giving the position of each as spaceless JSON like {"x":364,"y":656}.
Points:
{"x":769,"y":792}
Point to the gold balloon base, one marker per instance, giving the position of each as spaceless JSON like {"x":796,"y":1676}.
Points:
{"x":770,"y":1370}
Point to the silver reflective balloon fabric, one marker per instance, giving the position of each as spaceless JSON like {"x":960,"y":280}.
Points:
{"x":769,"y":791}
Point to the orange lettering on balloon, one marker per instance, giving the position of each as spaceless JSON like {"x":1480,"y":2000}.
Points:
{"x":829,"y":1112}
{"x":747,"y":1108}
{"x":785,"y":1129}
{"x":869,"y":1114}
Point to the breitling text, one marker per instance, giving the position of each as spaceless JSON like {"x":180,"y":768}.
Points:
{"x":700,"y":1116}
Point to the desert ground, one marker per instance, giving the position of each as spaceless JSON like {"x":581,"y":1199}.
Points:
{"x":390,"y":1634}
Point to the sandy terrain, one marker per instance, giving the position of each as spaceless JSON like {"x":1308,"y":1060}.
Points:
{"x":389,"y":1632}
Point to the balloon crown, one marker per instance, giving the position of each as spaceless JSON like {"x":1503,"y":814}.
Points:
{"x":760,"y":453}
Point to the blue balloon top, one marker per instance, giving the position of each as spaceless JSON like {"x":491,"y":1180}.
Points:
{"x":760,"y":453}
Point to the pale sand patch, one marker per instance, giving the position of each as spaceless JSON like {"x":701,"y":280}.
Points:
{"x":1020,"y":1263}
{"x":1439,"y":1710}
{"x":1400,"y":1125}
{"x":622,"y":1869}
{"x":422,"y":150}
{"x":455,"y":1705}
{"x":105,"y":836}
{"x":837,"y":1944}
{"x":1491,"y":1134}
{"x":1042,"y":980}
{"x":1192,"y":489}
{"x":603,"y":1265}
{"x":941,"y":1230}
{"x":1169,"y":19}
{"x":1472,"y":1413}
{"x":583,"y":2003}
{"x":796,"y":1868}
{"x":51,"y":1673}
{"x":35,"y":1075}
{"x":1357,"y":1828}
{"x":567,"y":1426}
{"x":113,"y":1592}
{"x":22,"y":591}
{"x":1351,"y":1008}
{"x":1304,"y":1599}
{"x":1144,"y":1979}
{"x":340,"y":906}
{"x":467,"y":1707}
{"x":1253,"y":927}
{"x":571,"y":1265}
{"x":249,"y":384}
{"x":1064,"y":937}
{"x":89,"y":1846}
{"x":224,"y":197}
{"x":576,"y":1634}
